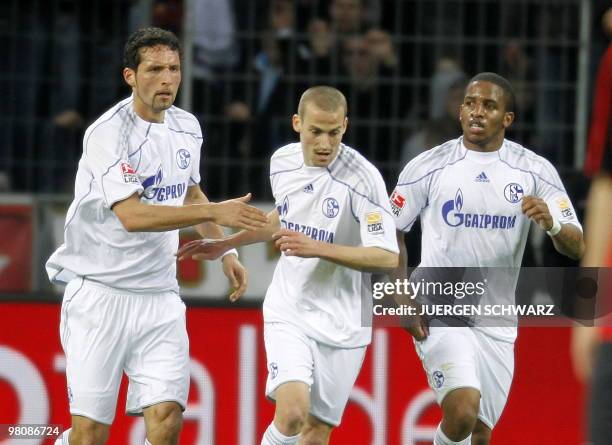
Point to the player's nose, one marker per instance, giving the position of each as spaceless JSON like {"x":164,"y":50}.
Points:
{"x":167,"y":77}
{"x":478,"y":110}
{"x":328,"y":142}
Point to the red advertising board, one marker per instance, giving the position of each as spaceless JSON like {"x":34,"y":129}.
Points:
{"x":15,"y":247}
{"x":390,"y":404}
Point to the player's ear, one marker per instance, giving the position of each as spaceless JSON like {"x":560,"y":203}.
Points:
{"x":297,"y":123}
{"x":345,"y":124}
{"x":508,"y":119}
{"x":129,"y":75}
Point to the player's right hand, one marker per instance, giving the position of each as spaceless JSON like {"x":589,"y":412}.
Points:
{"x":236,"y":213}
{"x":203,"y":249}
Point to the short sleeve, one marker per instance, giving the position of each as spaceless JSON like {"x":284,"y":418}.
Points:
{"x":376,"y":225}
{"x":194,"y":176}
{"x":550,"y":188}
{"x":273,"y":179}
{"x":110,"y":167}
{"x":410,"y":196}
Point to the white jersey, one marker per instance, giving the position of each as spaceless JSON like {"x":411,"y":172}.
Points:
{"x":345,"y":203}
{"x":123,"y":155}
{"x":470,"y":207}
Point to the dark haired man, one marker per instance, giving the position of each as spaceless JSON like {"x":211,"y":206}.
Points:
{"x":137,"y":183}
{"x":476,"y":196}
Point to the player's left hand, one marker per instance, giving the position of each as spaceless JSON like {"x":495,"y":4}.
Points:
{"x":293,"y":243}
{"x":203,"y":249}
{"x":236,"y":274}
{"x":537,"y":210}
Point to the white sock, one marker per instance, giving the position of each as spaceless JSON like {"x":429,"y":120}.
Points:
{"x":147,"y":441}
{"x":63,"y":439}
{"x":441,"y":438}
{"x":272,"y":436}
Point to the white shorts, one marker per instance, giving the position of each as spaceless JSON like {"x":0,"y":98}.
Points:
{"x":463,"y":357}
{"x":106,"y":332}
{"x":330,"y":372}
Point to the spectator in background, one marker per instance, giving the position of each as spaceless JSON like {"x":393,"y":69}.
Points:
{"x":316,"y":54}
{"x":347,"y":17}
{"x":551,"y":110}
{"x":274,"y":93}
{"x":369,"y":62}
{"x":63,"y":130}
{"x":28,"y":38}
{"x":219,"y":85}
{"x":447,"y":72}
{"x":215,"y":53}
{"x":168,"y":14}
{"x":273,"y":64}
{"x":381,"y":48}
{"x":282,"y":18}
{"x":438,"y":130}
{"x":257,"y":122}
{"x":215,"y":44}
{"x":516,"y":66}
{"x":51,"y":99}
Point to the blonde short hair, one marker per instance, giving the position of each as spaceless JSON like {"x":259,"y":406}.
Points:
{"x":326,"y":98}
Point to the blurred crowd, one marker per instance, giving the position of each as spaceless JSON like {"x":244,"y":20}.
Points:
{"x":402,"y":64}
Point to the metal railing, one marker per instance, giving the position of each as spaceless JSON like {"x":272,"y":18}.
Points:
{"x":242,"y":79}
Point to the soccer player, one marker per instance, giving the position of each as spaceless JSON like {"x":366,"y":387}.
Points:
{"x":136,"y":184}
{"x":333,"y":225}
{"x":476,"y":196}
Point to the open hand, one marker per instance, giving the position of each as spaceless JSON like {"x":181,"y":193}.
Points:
{"x":238,"y":214}
{"x":203,"y":249}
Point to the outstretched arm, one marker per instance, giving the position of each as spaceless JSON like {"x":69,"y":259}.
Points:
{"x":210,"y":249}
{"x":139,"y":217}
{"x":208,"y":229}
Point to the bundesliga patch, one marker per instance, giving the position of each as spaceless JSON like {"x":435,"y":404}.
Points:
{"x":129,"y":174}
{"x":565,"y":208}
{"x":375,"y":223}
{"x":397,"y":202}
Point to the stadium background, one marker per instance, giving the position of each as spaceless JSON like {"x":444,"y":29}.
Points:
{"x":402,"y":65}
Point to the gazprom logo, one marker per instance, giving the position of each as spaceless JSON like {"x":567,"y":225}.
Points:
{"x":153,"y":190}
{"x":283,"y":209}
{"x":151,"y":184}
{"x":454,"y":217}
{"x":449,"y":206}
